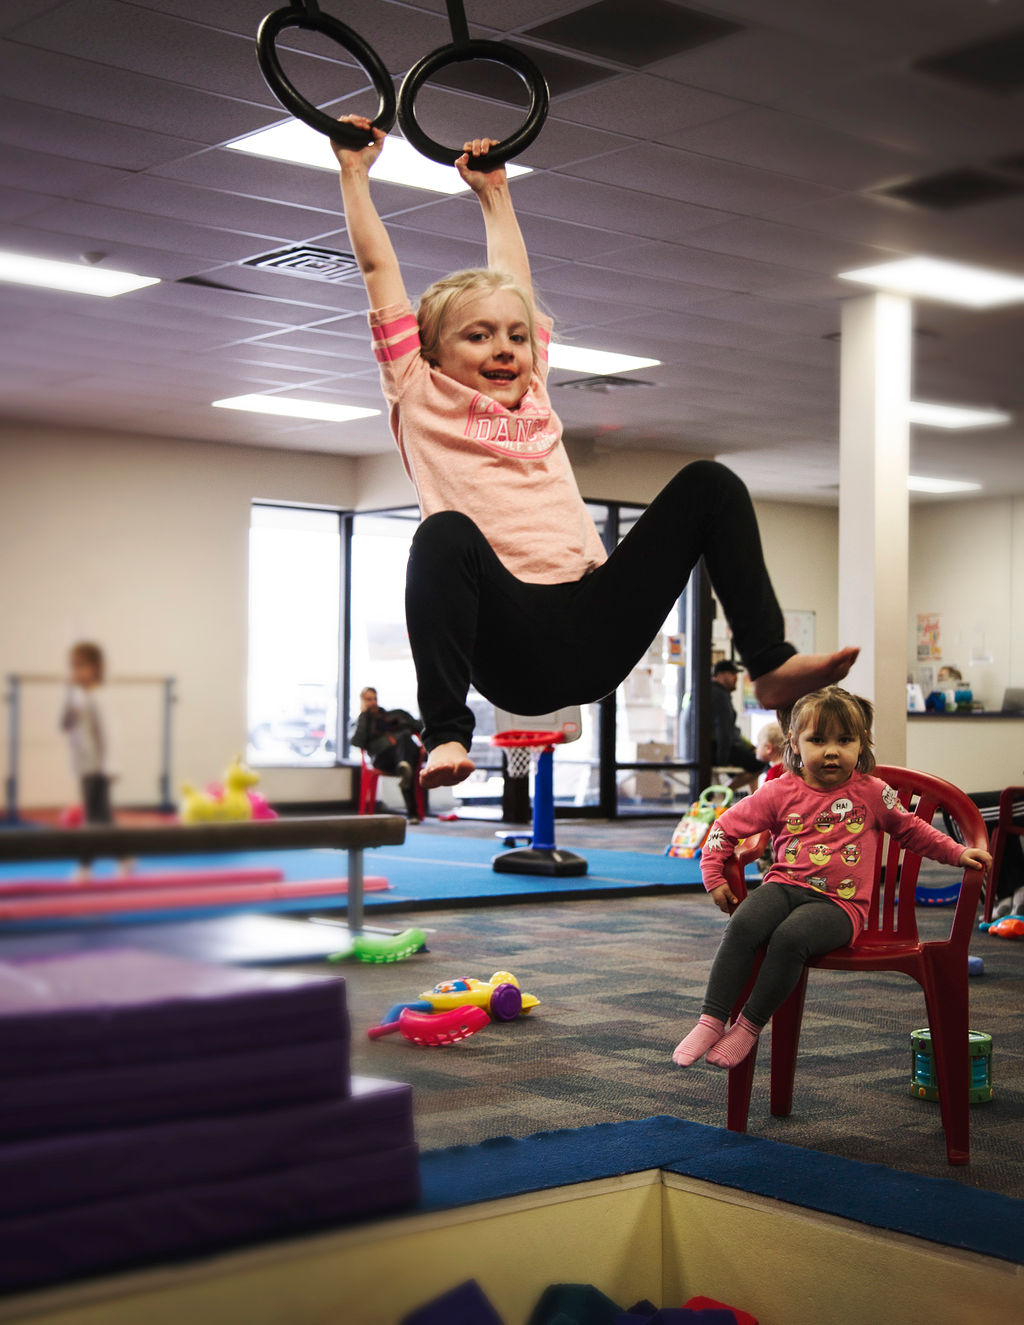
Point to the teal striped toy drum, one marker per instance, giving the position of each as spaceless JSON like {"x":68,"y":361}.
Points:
{"x":923,"y":1084}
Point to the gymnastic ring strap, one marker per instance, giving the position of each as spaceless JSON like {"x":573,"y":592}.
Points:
{"x":309,"y":17}
{"x":460,"y":53}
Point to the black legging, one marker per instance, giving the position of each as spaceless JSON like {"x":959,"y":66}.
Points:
{"x":796,"y":924}
{"x":534,"y":648}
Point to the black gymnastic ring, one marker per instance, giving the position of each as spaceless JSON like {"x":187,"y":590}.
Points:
{"x":500,"y":53}
{"x":309,"y":18}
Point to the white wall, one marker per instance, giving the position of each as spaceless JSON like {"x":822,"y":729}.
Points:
{"x":801,"y":550}
{"x":967,"y":565}
{"x":142,"y":544}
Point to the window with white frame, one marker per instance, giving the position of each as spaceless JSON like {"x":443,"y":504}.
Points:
{"x":294,"y":635}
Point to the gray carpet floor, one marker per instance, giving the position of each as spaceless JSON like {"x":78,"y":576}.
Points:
{"x":620,"y":980}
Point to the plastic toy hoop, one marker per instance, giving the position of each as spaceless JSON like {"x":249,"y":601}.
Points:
{"x":460,"y":53}
{"x":527,"y":740}
{"x":306,"y":14}
{"x":520,"y":746}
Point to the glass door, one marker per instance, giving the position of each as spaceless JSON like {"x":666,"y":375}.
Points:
{"x":655,"y":734}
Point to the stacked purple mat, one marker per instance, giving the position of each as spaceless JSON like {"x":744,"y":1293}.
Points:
{"x":154,"y":1108}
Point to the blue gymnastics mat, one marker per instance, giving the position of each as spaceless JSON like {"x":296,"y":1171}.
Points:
{"x":428,"y":870}
{"x":937,"y":1209}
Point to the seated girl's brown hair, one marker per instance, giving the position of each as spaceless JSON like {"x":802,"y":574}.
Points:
{"x":822,"y":709}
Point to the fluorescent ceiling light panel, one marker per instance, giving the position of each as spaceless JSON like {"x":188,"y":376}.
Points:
{"x":74,"y":277}
{"x":930,"y":414}
{"x":291,"y":407}
{"x":949,"y":282}
{"x":398,"y":163}
{"x":577,"y":359}
{"x":917,"y":484}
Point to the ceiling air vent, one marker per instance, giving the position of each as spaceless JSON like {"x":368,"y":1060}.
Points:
{"x":603,"y":384}
{"x":954,"y":188}
{"x":632,"y":32}
{"x":996,"y":65}
{"x":309,"y":261}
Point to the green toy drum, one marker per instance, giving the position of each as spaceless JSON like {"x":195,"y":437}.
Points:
{"x":923,"y":1085}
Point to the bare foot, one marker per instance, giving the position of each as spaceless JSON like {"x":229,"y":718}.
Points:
{"x":448,"y":765}
{"x":801,"y":674}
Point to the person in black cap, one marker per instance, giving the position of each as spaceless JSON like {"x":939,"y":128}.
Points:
{"x":728,"y":746}
{"x":387,"y":736}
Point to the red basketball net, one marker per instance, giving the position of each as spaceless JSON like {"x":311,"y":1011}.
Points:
{"x":519,"y":747}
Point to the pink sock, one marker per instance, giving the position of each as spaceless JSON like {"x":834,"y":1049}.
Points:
{"x":735,"y":1044}
{"x":707,"y":1032}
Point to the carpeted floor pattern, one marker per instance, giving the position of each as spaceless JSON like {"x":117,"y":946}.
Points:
{"x":620,"y":980}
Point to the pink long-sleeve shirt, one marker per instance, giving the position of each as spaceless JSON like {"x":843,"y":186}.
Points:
{"x":505,"y":469}
{"x":824,"y":840}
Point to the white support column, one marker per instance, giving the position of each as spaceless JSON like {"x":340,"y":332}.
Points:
{"x":874,"y":448}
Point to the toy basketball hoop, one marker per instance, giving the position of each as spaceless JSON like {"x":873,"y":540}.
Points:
{"x":542,"y":857}
{"x":520,"y":747}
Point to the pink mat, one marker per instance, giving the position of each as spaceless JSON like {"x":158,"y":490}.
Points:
{"x":85,"y":899}
{"x":158,"y":879}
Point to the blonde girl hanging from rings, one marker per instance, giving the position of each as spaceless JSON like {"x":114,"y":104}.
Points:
{"x":509,"y":586}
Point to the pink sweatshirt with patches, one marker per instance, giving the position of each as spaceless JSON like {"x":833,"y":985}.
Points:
{"x":824,"y":840}
{"x":505,"y":469}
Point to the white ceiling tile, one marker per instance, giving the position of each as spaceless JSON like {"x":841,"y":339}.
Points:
{"x":774,"y":316}
{"x":793,"y":245}
{"x":460,"y":219}
{"x":41,"y":129}
{"x":52,"y":176}
{"x":620,"y":209}
{"x":112,"y":225}
{"x":800,"y":147}
{"x":644,"y":107}
{"x":765,"y":67}
{"x":399,"y":33}
{"x":30,"y":237}
{"x":695,"y":266}
{"x":561,"y":142}
{"x":323,"y":344}
{"x":689,"y":178}
{"x":915,"y":113}
{"x":154,"y":196}
{"x":116,"y":96}
{"x":886,"y":223}
{"x":108,"y":32}
{"x":205,"y":300}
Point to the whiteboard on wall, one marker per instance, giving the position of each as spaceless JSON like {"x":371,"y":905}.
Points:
{"x":800,"y":630}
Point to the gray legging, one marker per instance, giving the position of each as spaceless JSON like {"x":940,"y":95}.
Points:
{"x":796,"y":923}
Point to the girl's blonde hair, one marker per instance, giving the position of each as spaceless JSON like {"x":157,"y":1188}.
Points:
{"x":822,"y":709}
{"x":772,"y":736}
{"x":437,"y":302}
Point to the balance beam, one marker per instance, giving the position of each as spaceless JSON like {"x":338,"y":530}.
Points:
{"x":351,"y":833}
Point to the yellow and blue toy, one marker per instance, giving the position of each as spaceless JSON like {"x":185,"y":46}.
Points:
{"x":500,"y":996}
{"x":694,"y":826}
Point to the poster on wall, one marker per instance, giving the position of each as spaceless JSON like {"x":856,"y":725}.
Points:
{"x":929,"y":641}
{"x":799,"y":628}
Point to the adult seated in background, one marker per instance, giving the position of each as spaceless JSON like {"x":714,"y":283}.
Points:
{"x":728,"y":746}
{"x":387,"y":736}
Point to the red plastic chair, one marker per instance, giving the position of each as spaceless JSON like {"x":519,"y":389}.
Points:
{"x":369,"y":778}
{"x":1005,"y":827}
{"x":889,"y":943}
